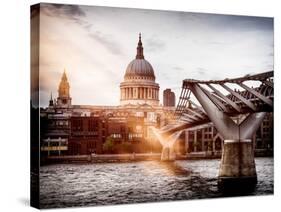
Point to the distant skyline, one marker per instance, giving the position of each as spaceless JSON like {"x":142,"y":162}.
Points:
{"x":95,"y":45}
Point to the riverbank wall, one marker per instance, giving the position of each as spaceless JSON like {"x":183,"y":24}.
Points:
{"x":113,"y":158}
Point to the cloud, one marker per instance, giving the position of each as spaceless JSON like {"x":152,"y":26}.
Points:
{"x":78,"y":16}
{"x":201,"y":71}
{"x":178,"y":68}
{"x":187,"y":17}
{"x":229,"y":23}
{"x":63,"y":10}
{"x":217,"y":43}
{"x":88,"y":26}
{"x":107,"y":42}
{"x":153,"y":44}
{"x":73,"y":10}
{"x":96,"y":44}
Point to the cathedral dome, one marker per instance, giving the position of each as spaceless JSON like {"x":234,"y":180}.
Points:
{"x":139,"y":86}
{"x":139,"y":69}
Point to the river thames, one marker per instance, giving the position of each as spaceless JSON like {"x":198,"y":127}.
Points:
{"x":68,"y":185}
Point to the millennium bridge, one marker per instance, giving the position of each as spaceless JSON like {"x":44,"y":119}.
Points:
{"x":218,"y":103}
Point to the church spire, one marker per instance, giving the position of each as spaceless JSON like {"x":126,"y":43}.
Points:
{"x":64,"y":86}
{"x":64,"y":77}
{"x":64,"y":99}
{"x":51,"y":102}
{"x":139,"y":49}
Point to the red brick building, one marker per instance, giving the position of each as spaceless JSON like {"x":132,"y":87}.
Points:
{"x":86,"y":135}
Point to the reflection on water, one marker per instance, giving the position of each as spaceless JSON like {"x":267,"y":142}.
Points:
{"x":67,"y":185}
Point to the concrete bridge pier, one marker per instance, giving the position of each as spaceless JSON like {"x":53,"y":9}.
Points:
{"x":237,"y":168}
{"x":168,"y":143}
{"x":168,"y":154}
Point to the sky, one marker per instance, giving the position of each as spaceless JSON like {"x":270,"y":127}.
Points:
{"x":95,"y":44}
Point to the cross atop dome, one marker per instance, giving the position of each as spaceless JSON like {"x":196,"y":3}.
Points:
{"x":140,"y":39}
{"x":139,"y":49}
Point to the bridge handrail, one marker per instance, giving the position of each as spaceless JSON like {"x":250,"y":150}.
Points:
{"x":260,"y":77}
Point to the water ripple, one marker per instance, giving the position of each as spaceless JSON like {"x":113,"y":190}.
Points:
{"x":68,"y":185}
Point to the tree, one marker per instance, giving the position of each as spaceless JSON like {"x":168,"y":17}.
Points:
{"x":108,"y":146}
{"x":126,"y":147}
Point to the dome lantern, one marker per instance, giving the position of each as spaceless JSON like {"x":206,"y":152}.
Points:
{"x":139,"y":49}
{"x":139,"y":68}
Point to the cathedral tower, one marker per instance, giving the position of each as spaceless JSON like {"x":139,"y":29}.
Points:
{"x":64,"y":99}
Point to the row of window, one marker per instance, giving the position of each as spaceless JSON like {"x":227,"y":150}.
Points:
{"x":93,"y":125}
{"x":62,"y":143}
{"x":130,"y":135}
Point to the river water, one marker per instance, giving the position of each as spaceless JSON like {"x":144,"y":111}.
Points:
{"x":67,"y":185}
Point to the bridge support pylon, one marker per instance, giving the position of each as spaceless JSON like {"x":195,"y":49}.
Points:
{"x":237,"y":169}
{"x":168,"y":142}
{"x":168,"y":154}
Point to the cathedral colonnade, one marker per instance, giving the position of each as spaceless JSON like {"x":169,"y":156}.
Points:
{"x":139,"y":93}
